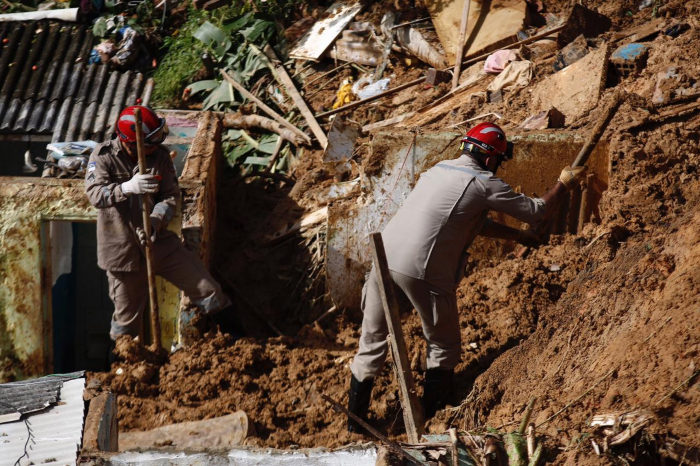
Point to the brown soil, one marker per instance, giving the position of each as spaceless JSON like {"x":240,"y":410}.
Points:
{"x":610,"y":314}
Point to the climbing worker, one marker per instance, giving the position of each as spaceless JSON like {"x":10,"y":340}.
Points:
{"x":113,"y":183}
{"x":426,"y":243}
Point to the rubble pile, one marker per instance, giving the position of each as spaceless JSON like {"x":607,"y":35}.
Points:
{"x":600,"y":324}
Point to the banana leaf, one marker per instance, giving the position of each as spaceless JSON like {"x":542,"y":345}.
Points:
{"x":200,"y":86}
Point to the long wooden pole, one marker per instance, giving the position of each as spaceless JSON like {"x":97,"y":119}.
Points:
{"x":279,"y":71}
{"x":145,"y":208}
{"x":459,"y":51}
{"x":271,"y":113}
{"x":412,"y":413}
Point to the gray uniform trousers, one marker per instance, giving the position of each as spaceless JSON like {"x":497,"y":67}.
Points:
{"x":183,"y":268}
{"x":438,"y":313}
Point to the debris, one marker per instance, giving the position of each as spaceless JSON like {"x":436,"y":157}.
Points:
{"x":281,"y":76}
{"x":265,"y":108}
{"x":666,"y":83}
{"x":128,"y":51}
{"x":629,"y":59}
{"x":301,"y":225}
{"x":490,"y":25}
{"x":219,"y":433}
{"x":676,"y":30}
{"x":536,"y":456}
{"x":516,"y":75}
{"x":681,"y":453}
{"x":550,"y":118}
{"x":64,"y":14}
{"x":498,"y":60}
{"x":275,"y":155}
{"x":364,"y":88}
{"x":358,"y":45}
{"x":435,"y":77}
{"x":345,"y":94}
{"x":60,"y":149}
{"x":575,"y":90}
{"x":641,"y":33}
{"x":354,"y":105}
{"x":583,"y":21}
{"x":395,"y":447}
{"x":412,"y":41}
{"x":341,"y":145}
{"x":516,"y":449}
{"x":572,"y":53}
{"x":554,"y":268}
{"x":322,"y":34}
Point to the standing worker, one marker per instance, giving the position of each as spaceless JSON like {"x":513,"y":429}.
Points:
{"x":426,"y":243}
{"x":113,"y":183}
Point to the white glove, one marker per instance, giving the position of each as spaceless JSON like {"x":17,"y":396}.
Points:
{"x":141,"y":184}
{"x":571,"y":175}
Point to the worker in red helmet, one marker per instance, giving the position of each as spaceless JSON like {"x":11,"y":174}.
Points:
{"x":426,"y":243}
{"x":113,"y":183}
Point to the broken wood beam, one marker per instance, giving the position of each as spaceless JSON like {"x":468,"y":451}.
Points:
{"x":274,"y":115}
{"x":395,"y":447}
{"x":235,"y":121}
{"x":459,"y":52}
{"x":280,"y":73}
{"x":412,"y":413}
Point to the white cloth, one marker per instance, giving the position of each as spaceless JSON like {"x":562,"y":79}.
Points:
{"x":61,"y":238}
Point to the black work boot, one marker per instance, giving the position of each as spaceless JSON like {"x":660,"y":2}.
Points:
{"x":435,"y":389}
{"x":228,"y":322}
{"x":358,"y":402}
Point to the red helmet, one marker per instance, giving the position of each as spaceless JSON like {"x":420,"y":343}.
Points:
{"x":486,"y":139}
{"x":154,"y":128}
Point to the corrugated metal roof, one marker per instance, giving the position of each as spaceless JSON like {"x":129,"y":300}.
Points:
{"x":24,"y":397}
{"x":48,"y":87}
{"x":49,"y":437}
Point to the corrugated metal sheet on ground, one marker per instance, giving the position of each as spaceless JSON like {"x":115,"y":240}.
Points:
{"x":51,"y":437}
{"x":48,"y":87}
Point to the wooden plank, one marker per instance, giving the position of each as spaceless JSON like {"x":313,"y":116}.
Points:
{"x":271,"y":113}
{"x":412,"y":413}
{"x":459,"y":50}
{"x":281,"y":74}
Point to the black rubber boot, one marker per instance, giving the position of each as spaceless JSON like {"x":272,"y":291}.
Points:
{"x":435,"y":390}
{"x":358,"y":402}
{"x":228,"y":322}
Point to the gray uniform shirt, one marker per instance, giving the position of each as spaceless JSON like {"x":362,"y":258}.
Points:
{"x":429,"y":235}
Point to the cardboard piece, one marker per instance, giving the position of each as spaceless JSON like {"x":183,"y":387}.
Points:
{"x":490,"y":26}
{"x":576,"y":89}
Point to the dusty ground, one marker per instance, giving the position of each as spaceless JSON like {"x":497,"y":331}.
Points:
{"x":611,"y":313}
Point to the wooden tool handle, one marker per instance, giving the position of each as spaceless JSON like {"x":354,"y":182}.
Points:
{"x":145,"y":208}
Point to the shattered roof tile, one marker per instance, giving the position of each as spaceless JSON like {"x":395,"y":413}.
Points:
{"x":48,"y":87}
